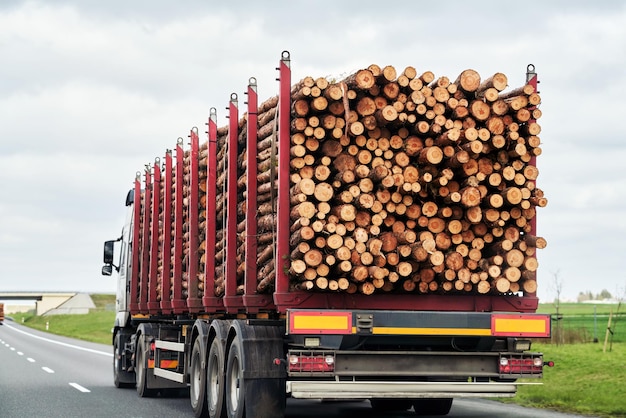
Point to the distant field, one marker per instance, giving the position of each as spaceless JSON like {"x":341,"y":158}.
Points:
{"x":579,"y":322}
{"x":580,"y":308}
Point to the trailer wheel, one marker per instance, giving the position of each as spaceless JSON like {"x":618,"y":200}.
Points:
{"x":432,"y":406}
{"x":388,"y":405}
{"x":197,"y":379}
{"x":141,"y":367}
{"x":215,"y":380}
{"x":235,"y":383}
{"x":118,"y":373}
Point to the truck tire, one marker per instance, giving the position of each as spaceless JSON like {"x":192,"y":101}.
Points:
{"x":141,"y":370}
{"x":121,"y":378}
{"x":235,"y":382}
{"x":389,"y":405}
{"x":215,"y":380}
{"x":432,"y":406}
{"x":261,"y":390}
{"x":197,"y":380}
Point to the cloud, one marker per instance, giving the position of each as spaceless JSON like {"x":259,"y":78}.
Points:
{"x":100,"y":89}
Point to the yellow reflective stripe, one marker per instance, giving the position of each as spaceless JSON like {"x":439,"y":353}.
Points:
{"x":326,"y":323}
{"x":520,"y":325}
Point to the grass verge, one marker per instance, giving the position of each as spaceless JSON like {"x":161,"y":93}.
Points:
{"x":584,"y":380}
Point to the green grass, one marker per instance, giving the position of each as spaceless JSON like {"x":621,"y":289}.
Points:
{"x":580,"y":324}
{"x":579,"y":308}
{"x":94,"y":326}
{"x":584,"y":380}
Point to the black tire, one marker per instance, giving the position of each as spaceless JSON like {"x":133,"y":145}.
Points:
{"x":432,"y":406}
{"x":215,"y":380}
{"x":389,"y":405}
{"x":235,"y":389}
{"x":141,"y":371}
{"x":197,"y":380}
{"x":118,"y":373}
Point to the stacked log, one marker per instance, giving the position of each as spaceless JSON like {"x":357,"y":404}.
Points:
{"x":414,"y":183}
{"x":399,"y":183}
{"x":266,"y":192}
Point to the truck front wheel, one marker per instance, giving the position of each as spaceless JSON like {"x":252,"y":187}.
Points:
{"x":235,"y":383}
{"x":197,"y":378}
{"x":121,"y":378}
{"x":141,"y":367}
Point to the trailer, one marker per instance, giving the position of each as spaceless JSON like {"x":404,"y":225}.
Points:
{"x":193,"y":310}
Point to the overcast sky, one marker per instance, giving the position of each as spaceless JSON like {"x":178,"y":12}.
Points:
{"x":92,"y":90}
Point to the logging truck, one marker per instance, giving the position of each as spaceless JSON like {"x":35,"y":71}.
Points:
{"x":369,"y":239}
{"x":1,"y":313}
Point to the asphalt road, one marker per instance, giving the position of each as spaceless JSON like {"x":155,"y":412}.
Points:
{"x":42,"y":375}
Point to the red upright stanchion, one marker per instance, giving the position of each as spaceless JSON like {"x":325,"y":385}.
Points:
{"x":252,"y":300}
{"x":166,"y":294}
{"x":284,"y":142}
{"x":251,"y":189}
{"x":145,"y":244}
{"x":531,"y":78}
{"x":136,"y":246}
{"x":178,"y":302}
{"x":194,"y":302}
{"x":153,"y":303}
{"x":210,"y":302}
{"x":231,"y":301}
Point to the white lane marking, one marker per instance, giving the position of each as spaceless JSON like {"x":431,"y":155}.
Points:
{"x":103,"y":353}
{"x":32,"y":360}
{"x":19,"y":353}
{"x":12,"y":348}
{"x":79,"y":387}
{"x":47,"y":370}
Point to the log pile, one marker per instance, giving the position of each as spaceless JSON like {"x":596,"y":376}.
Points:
{"x":399,"y":183}
{"x":414,"y":183}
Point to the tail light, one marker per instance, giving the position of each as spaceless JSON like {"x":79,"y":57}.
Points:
{"x":521,"y":365}
{"x":311,"y":362}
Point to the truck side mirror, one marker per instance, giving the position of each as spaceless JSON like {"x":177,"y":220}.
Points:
{"x":109,"y":249}
{"x":107,"y":270}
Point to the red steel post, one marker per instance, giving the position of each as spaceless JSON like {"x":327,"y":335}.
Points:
{"x":231,"y":301}
{"x":251,"y":190}
{"x":166,"y":304}
{"x":284,"y":141}
{"x":178,"y":302}
{"x":251,"y":299}
{"x":209,"y":301}
{"x":194,"y":302}
{"x":135,"y":245}
{"x":531,"y":78}
{"x":153,"y":303}
{"x":145,"y":244}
